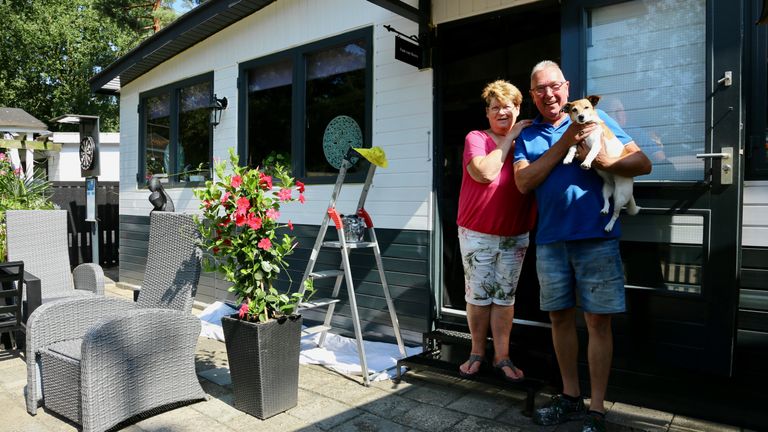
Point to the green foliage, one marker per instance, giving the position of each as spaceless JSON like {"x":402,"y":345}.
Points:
{"x":18,"y":193}
{"x":239,"y":222}
{"x":50,"y":50}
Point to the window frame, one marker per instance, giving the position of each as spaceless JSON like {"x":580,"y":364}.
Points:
{"x":756,"y":103}
{"x":173,"y":90}
{"x":297,"y":56}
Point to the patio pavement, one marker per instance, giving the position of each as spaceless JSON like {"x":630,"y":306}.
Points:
{"x":329,"y":401}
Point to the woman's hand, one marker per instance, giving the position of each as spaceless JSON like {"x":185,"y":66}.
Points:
{"x":518,"y":127}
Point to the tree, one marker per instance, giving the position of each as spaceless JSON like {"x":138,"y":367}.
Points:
{"x":49,"y":50}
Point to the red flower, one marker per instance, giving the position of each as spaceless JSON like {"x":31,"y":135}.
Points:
{"x":207,"y":204}
{"x":240,"y":219}
{"x":265,"y":244}
{"x":273,"y":214}
{"x":300,"y":186}
{"x":284,"y":194}
{"x":243,"y":310}
{"x":301,"y":198}
{"x":290,"y":225}
{"x":224,"y":198}
{"x":236,"y":181}
{"x":265,"y":181}
{"x":253,"y":221}
{"x":243,"y":204}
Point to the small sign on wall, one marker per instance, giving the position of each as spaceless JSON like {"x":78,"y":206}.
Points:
{"x":407,"y":52}
{"x":90,"y":199}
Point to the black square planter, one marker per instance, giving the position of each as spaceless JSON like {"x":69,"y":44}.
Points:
{"x":263,"y":364}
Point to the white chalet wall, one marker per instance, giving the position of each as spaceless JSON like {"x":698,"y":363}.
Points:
{"x":450,"y":10}
{"x":401,"y":195}
{"x":754,"y":227}
{"x":65,"y":165}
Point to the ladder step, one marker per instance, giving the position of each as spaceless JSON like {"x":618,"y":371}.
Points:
{"x":314,"y":330}
{"x":350,"y":245}
{"x":317,"y":303}
{"x":325,"y":274}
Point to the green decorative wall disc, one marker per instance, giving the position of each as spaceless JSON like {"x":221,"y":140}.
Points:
{"x":340,"y":135}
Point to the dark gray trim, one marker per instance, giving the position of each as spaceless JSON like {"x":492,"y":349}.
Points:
{"x":756,"y":74}
{"x":298,"y":138}
{"x":404,"y":10}
{"x":195,"y":26}
{"x":173,"y":90}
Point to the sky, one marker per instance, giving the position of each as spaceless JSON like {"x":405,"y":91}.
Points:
{"x":180,"y":7}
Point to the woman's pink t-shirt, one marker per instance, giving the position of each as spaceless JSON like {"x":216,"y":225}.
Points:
{"x":497,"y":207}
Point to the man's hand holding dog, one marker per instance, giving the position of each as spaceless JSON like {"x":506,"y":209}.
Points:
{"x":577,"y":132}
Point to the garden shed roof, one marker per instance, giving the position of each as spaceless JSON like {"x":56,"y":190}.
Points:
{"x":17,"y":120}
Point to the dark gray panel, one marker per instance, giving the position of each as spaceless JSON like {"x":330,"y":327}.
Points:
{"x":754,"y":278}
{"x":406,"y":265}
{"x":753,"y":257}
{"x":753,"y":299}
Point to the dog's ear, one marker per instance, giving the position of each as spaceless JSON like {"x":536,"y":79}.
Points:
{"x":593,"y":99}
{"x":567,"y":107}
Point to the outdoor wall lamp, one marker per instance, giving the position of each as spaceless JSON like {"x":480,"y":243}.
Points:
{"x":217,"y":106}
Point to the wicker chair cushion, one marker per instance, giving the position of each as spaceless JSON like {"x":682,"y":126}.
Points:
{"x":69,"y":348}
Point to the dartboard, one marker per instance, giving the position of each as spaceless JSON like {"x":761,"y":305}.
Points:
{"x":341,"y":133}
{"x":87,"y":150}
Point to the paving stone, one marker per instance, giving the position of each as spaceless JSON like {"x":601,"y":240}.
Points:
{"x":478,"y":424}
{"x":217,"y":409}
{"x":479,"y":404}
{"x":369,"y":423}
{"x":281,"y":422}
{"x":431,"y":418}
{"x":687,"y":424}
{"x":638,"y":418}
{"x":434,"y":394}
{"x":218,"y":375}
{"x":324,"y":413}
{"x":422,"y":401}
{"x":184,"y":419}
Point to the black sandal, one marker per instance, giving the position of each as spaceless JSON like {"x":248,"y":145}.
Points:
{"x":508,"y":363}
{"x":473,"y":358}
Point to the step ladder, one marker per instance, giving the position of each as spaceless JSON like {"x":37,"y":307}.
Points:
{"x":344,"y":272}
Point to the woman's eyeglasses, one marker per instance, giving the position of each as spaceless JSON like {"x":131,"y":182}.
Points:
{"x":498,"y":109}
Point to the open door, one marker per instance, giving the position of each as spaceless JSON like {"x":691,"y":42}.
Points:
{"x":669,"y":72}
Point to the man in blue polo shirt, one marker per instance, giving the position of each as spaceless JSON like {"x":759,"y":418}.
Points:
{"x":577,"y":261}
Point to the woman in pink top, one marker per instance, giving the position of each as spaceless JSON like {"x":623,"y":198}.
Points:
{"x":494,"y":220}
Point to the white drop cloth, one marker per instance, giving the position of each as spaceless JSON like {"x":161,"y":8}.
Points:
{"x":339,"y":352}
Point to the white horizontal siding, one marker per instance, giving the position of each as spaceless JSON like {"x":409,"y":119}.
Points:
{"x":754,"y":228}
{"x":402,"y":107}
{"x":449,"y":10}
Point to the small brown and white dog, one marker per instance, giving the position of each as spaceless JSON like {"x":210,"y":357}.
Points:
{"x":583,"y":111}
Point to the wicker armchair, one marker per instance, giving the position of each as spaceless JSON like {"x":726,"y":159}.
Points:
{"x":39,"y":238}
{"x":103,"y":360}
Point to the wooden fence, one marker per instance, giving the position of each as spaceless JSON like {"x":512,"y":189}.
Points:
{"x":70,"y":196}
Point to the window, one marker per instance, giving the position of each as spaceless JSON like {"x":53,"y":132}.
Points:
{"x":176,"y":132}
{"x":646,"y":59}
{"x":290,"y":98}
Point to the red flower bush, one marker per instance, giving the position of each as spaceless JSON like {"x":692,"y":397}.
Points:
{"x":239,"y":224}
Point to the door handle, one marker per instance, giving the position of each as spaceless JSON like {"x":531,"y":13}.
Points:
{"x":727,"y":79}
{"x":713,"y":156}
{"x":726,"y":171}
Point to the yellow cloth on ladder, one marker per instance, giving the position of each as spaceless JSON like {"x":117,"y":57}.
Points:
{"x":374,"y":155}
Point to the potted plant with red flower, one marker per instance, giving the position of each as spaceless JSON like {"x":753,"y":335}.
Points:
{"x":239,"y":227}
